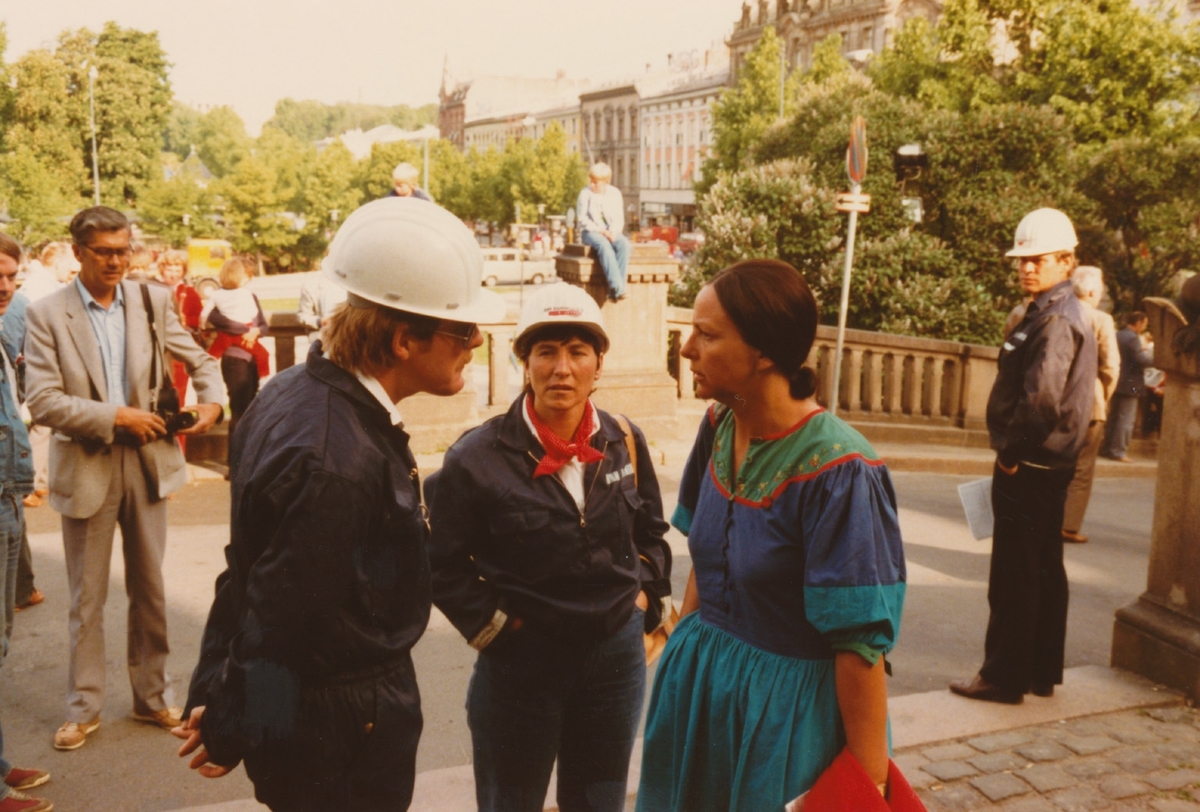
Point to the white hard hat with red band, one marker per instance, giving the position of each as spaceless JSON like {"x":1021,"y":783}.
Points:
{"x":557,"y":304}
{"x":1043,"y":231}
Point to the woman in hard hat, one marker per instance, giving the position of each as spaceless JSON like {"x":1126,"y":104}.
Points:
{"x":548,"y":556}
{"x":797,"y":579}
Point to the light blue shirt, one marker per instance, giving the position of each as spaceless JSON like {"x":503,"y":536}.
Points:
{"x":108,"y":324}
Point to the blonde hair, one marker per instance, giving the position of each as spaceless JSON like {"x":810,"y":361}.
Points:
{"x":175,"y":257}
{"x":359,"y":338}
{"x":235,"y":273}
{"x":53,"y":251}
{"x":405,"y":173}
{"x":600,"y":171}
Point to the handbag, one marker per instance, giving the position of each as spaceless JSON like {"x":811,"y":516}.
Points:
{"x":846,"y":787}
{"x":656,"y":640}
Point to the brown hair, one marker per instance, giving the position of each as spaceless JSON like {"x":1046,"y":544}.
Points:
{"x":10,"y":247}
{"x":775,"y":312}
{"x":1136,"y":317}
{"x":359,"y":339}
{"x":235,"y":272}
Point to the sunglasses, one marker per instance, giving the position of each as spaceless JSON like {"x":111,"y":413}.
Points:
{"x":462,"y":331}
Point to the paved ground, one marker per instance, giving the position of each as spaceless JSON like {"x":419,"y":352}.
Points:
{"x":128,"y":766}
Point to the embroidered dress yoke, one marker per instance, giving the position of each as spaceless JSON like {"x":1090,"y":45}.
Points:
{"x":796,"y":557}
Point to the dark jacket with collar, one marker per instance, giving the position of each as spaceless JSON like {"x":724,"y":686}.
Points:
{"x":1041,"y":402}
{"x":502,"y":539}
{"x":328,"y":574}
{"x":1134,"y":360}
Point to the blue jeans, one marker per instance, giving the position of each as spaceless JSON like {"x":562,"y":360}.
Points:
{"x":1122,"y":412}
{"x":614,"y":260}
{"x":12,"y":521}
{"x":544,"y":697}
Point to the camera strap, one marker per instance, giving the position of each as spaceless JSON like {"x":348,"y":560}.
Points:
{"x":155,"y":356}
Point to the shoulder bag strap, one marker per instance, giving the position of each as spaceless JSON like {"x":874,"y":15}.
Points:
{"x":629,"y":444}
{"x":154,"y":356}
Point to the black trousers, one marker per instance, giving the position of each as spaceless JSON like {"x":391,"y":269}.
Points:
{"x":241,"y":381}
{"x":1027,"y":585}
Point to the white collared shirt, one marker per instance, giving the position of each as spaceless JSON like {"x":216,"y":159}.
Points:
{"x":376,"y":388}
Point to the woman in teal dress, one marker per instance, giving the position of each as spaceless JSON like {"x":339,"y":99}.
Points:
{"x":798,"y":575}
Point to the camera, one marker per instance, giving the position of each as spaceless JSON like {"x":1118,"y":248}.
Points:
{"x":168,"y":409}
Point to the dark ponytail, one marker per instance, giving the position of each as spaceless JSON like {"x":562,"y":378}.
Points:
{"x":775,"y":311}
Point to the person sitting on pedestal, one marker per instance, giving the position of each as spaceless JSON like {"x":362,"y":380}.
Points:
{"x":601,"y":211}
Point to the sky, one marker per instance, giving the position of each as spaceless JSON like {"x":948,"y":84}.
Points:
{"x":250,"y":53}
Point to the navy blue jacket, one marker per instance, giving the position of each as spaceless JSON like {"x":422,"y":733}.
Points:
{"x":1041,"y":402}
{"x":1134,"y":360}
{"x":328,"y":572}
{"x":502,"y":539}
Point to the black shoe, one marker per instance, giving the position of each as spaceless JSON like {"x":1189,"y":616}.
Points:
{"x":1046,"y":690}
{"x":979,"y":688}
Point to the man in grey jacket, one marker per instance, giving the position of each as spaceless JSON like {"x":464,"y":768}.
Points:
{"x":96,"y":362}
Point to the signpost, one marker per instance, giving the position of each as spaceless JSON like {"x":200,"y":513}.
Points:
{"x":853,"y":202}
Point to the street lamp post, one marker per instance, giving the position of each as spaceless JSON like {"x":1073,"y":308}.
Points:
{"x":92,"y":74}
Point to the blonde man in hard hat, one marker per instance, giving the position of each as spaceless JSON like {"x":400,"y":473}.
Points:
{"x":548,"y":556}
{"x":404,"y":182}
{"x":305,"y":669}
{"x":1037,"y":416}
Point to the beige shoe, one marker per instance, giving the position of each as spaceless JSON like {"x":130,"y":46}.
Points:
{"x":72,"y":735}
{"x":166,"y":718}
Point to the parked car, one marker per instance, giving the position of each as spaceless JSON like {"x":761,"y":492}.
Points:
{"x":689,"y":241}
{"x":507,"y":266}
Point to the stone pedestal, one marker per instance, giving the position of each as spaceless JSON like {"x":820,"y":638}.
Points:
{"x":634,"y":381}
{"x":1159,"y":635}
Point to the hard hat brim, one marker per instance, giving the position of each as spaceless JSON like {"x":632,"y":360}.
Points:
{"x":488,"y":308}
{"x":520,"y":342}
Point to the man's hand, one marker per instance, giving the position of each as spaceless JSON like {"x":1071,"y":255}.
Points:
{"x":642,"y":602}
{"x":250,"y":337}
{"x":146,"y":426}
{"x":206,"y":417}
{"x":189,"y":731}
{"x":608,"y":235}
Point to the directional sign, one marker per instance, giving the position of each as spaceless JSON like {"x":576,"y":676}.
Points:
{"x":856,"y":154}
{"x":851,"y":201}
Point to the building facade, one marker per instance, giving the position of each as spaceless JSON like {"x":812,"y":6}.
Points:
{"x":866,"y":26}
{"x":676,"y":139}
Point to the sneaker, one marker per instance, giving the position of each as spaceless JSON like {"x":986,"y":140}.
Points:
{"x":167,"y":718}
{"x":72,"y":735}
{"x":35,"y":597}
{"x":17,"y":801}
{"x":26,"y":779}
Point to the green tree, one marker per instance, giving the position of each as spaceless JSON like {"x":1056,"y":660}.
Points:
{"x":827,"y":61}
{"x":329,"y":196}
{"x":41,"y":123}
{"x":177,"y":209}
{"x":30,"y":193}
{"x":374,"y":177}
{"x":743,"y":113}
{"x":221,"y":140}
{"x":182,"y":131}
{"x":310,"y":120}
{"x":254,"y":211}
{"x":6,"y":90}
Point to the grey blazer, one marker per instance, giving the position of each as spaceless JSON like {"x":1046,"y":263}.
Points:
{"x":68,"y":393}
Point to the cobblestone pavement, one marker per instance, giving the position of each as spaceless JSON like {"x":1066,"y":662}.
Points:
{"x":1129,"y":760}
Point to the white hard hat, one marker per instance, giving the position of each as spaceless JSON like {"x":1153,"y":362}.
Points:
{"x":1043,"y":231}
{"x":414,"y":256}
{"x":559,"y":304}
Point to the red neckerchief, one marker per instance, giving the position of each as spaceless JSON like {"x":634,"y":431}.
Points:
{"x":559,"y":451}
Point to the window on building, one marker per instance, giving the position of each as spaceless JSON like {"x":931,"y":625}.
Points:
{"x":632,"y":123}
{"x":620,"y":172}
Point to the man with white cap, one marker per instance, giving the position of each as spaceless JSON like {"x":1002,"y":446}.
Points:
{"x":305,"y":669}
{"x":1037,"y":417}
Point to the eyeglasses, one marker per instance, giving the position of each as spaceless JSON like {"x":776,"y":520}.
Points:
{"x":462,"y":331}
{"x":108,"y":253}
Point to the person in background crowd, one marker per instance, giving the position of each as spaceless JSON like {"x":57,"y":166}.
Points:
{"x":141,"y":264}
{"x":88,"y":354}
{"x":1122,"y":409}
{"x":188,"y":307}
{"x":12,"y":323}
{"x":238,"y":318}
{"x":1088,"y":282}
{"x":319,"y":298}
{"x":601,"y":217}
{"x":1037,"y":416}
{"x":54,"y":269}
{"x":548,"y":556}
{"x":16,"y":478}
{"x":305,"y":669}
{"x":797,"y":584}
{"x":404,"y":182}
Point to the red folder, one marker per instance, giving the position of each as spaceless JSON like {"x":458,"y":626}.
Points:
{"x":846,"y":787}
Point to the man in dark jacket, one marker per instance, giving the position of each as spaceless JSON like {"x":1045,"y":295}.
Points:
{"x":305,"y":669}
{"x":1131,"y":385}
{"x":1037,"y":417}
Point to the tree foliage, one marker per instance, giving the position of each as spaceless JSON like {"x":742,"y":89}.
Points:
{"x":313,"y":120}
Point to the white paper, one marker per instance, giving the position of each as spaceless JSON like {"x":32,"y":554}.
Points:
{"x":976,"y":500}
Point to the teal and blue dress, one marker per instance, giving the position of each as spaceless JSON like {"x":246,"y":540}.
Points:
{"x":796,"y":558}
